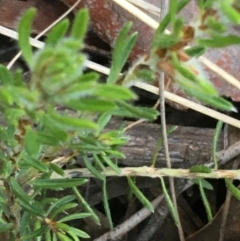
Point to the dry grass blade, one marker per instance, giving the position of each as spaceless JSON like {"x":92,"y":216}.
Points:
{"x":146,"y":6}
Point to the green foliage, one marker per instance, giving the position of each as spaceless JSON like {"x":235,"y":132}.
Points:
{"x":137,"y":192}
{"x":61,"y":108}
{"x":24,"y":34}
{"x":215,"y":142}
{"x":200,"y":168}
{"x":234,"y":190}
{"x":122,"y":50}
{"x":171,"y":206}
{"x":205,"y":201}
{"x":168,"y":52}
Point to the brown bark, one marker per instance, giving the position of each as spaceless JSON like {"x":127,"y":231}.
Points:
{"x":188,"y":145}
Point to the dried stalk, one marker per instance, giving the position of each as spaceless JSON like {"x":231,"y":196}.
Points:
{"x":146,"y":6}
{"x":154,"y":173}
{"x":164,"y":10}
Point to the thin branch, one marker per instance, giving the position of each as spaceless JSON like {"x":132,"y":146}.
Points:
{"x":164,"y":10}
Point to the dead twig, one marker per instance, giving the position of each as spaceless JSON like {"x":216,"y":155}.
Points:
{"x":164,"y":10}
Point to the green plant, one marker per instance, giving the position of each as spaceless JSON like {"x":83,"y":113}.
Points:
{"x":37,"y":130}
{"x":62,"y":108}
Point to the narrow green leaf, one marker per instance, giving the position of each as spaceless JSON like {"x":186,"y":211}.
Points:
{"x":163,"y":41}
{"x":54,"y":238}
{"x":139,"y":195}
{"x":73,"y":236}
{"x":60,"y":202}
{"x":195,"y":51}
{"x":110,"y":163}
{"x":92,"y":169}
{"x":205,"y":184}
{"x":69,"y":123}
{"x":18,"y":78}
{"x":178,"y":26}
{"x":33,"y":209}
{"x":24,"y":30}
{"x":143,"y":72}
{"x":122,"y":50}
{"x":173,"y":11}
{"x":47,"y":139}
{"x":98,"y":161}
{"x":172,"y":209}
{"x":32,"y":146}
{"x":74,"y":217}
{"x":205,"y":202}
{"x":215,"y":142}
{"x":37,"y":164}
{"x":57,"y":169}
{"x":106,"y":204}
{"x":57,"y":33}
{"x":48,"y":236}
{"x":62,"y":209}
{"x":220,"y":41}
{"x":234,"y":190}
{"x":103,"y":120}
{"x":5,"y":97}
{"x":12,"y":115}
{"x":6,"y":77}
{"x":232,"y":13}
{"x":36,"y":233}
{"x":58,"y":183}
{"x":114,"y":92}
{"x":85,"y":205}
{"x":93,"y":104}
{"x":63,"y":237}
{"x":79,"y":232}
{"x":114,"y":153}
{"x":114,"y":137}
{"x":25,"y":220}
{"x":217,"y":102}
{"x":5,"y":227}
{"x":200,"y":168}
{"x":215,"y":25}
{"x":140,"y":112}
{"x":8,"y":169}
{"x":191,"y":82}
{"x":4,"y":206}
{"x":80,"y":24}
{"x":18,"y":191}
